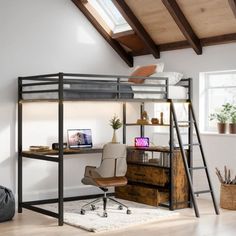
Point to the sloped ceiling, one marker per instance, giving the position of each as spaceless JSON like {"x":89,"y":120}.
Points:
{"x":161,"y":25}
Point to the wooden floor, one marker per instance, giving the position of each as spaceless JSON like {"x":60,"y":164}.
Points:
{"x":33,"y":224}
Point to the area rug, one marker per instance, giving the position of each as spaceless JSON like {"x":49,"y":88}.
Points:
{"x":117,"y":219}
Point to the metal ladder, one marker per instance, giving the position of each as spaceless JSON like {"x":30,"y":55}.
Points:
{"x":189,"y":169}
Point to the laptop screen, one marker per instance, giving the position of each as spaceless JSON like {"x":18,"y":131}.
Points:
{"x":78,"y":138}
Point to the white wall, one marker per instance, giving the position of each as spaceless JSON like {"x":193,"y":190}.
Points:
{"x":220,"y":150}
{"x":49,"y":36}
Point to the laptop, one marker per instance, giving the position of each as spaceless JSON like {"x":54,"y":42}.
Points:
{"x":79,"y":138}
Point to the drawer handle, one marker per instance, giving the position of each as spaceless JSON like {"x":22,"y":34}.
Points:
{"x":142,"y":175}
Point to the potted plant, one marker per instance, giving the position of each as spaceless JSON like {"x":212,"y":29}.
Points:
{"x":232,"y":124}
{"x":221,"y":116}
{"x":115,"y":123}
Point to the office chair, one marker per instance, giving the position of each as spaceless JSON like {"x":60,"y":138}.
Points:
{"x":110,"y":173}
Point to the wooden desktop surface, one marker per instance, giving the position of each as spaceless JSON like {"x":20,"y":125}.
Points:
{"x":70,"y":151}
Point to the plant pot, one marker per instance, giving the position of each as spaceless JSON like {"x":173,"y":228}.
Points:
{"x":232,"y":128}
{"x":114,"y":137}
{"x":228,"y":196}
{"x":222,"y":128}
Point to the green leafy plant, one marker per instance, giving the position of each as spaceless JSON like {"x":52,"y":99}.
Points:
{"x":222,"y":115}
{"x":233,"y":114}
{"x":115,"y":122}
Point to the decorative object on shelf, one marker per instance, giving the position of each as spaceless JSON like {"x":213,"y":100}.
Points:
{"x":39,"y":148}
{"x":221,"y":116}
{"x":55,"y":146}
{"x":115,"y":123}
{"x":144,"y":119}
{"x":161,"y":118}
{"x":227,"y":189}
{"x":232,"y":120}
{"x":155,"y":121}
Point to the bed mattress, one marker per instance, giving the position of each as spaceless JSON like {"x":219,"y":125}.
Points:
{"x":101,"y":91}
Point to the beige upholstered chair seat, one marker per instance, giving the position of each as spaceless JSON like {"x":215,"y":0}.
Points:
{"x":105,"y":182}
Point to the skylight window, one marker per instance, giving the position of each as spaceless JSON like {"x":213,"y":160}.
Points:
{"x":110,"y":15}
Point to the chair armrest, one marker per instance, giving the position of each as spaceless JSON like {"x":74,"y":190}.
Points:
{"x":90,"y":171}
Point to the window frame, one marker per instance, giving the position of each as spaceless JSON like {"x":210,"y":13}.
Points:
{"x":205,"y":87}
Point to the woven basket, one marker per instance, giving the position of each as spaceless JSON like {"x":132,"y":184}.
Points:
{"x":228,"y":196}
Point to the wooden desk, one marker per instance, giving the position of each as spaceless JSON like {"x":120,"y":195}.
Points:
{"x":52,"y":155}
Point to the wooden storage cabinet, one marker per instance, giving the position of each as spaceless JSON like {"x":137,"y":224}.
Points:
{"x":148,"y":174}
{"x":150,"y":183}
{"x":142,"y":194}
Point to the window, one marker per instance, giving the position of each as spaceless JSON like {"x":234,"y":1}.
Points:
{"x":110,"y":15}
{"x":216,"y":89}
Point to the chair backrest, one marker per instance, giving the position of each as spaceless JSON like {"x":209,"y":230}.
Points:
{"x":113,"y":162}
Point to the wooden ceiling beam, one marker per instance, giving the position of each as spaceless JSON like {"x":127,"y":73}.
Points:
{"x":113,"y":43}
{"x":220,"y":39}
{"x":232,"y":4}
{"x":183,"y":24}
{"x":210,"y":41}
{"x":138,"y":28}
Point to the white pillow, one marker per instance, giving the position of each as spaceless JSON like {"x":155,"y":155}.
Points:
{"x":160,"y":67}
{"x":174,"y":78}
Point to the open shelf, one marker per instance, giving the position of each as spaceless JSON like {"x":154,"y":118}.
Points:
{"x":160,"y":125}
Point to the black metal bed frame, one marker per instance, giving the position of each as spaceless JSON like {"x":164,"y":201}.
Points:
{"x":61,"y":79}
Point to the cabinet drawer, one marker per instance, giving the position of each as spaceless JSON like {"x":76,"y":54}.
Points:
{"x":148,"y":174}
{"x":149,"y":196}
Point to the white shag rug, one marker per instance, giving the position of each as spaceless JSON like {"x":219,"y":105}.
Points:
{"x":117,"y":219}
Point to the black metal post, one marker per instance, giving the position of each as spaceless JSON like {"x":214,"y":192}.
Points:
{"x":19,"y":145}
{"x":167,"y":88}
{"x":118,"y":88}
{"x":60,"y":141}
{"x":141,"y":126}
{"x":190,"y":135}
{"x":124,"y":122}
{"x":171,"y":156}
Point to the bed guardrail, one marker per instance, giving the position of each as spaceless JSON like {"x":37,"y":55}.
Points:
{"x":118,"y":85}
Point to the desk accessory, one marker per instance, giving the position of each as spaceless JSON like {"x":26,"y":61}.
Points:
{"x":55,"y":146}
{"x":141,"y":142}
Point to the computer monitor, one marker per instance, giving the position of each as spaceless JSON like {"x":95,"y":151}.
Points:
{"x":79,"y":138}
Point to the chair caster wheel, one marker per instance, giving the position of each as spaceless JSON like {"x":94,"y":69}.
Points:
{"x":93,"y":208}
{"x":128,"y":212}
{"x":120,"y":207}
{"x":82,"y":212}
{"x":105,"y":214}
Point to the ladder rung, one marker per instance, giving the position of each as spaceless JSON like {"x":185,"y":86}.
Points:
{"x":188,"y":122}
{"x":183,"y":126}
{"x":193,"y":144}
{"x":198,"y":168}
{"x":203,"y":191}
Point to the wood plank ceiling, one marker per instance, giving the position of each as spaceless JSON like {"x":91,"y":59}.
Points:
{"x":162,"y":25}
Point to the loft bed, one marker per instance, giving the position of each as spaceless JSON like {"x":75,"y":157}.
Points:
{"x":70,"y":87}
{"x":90,"y":87}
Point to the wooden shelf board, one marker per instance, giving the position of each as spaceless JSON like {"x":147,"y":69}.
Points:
{"x":66,"y":151}
{"x":164,"y":125}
